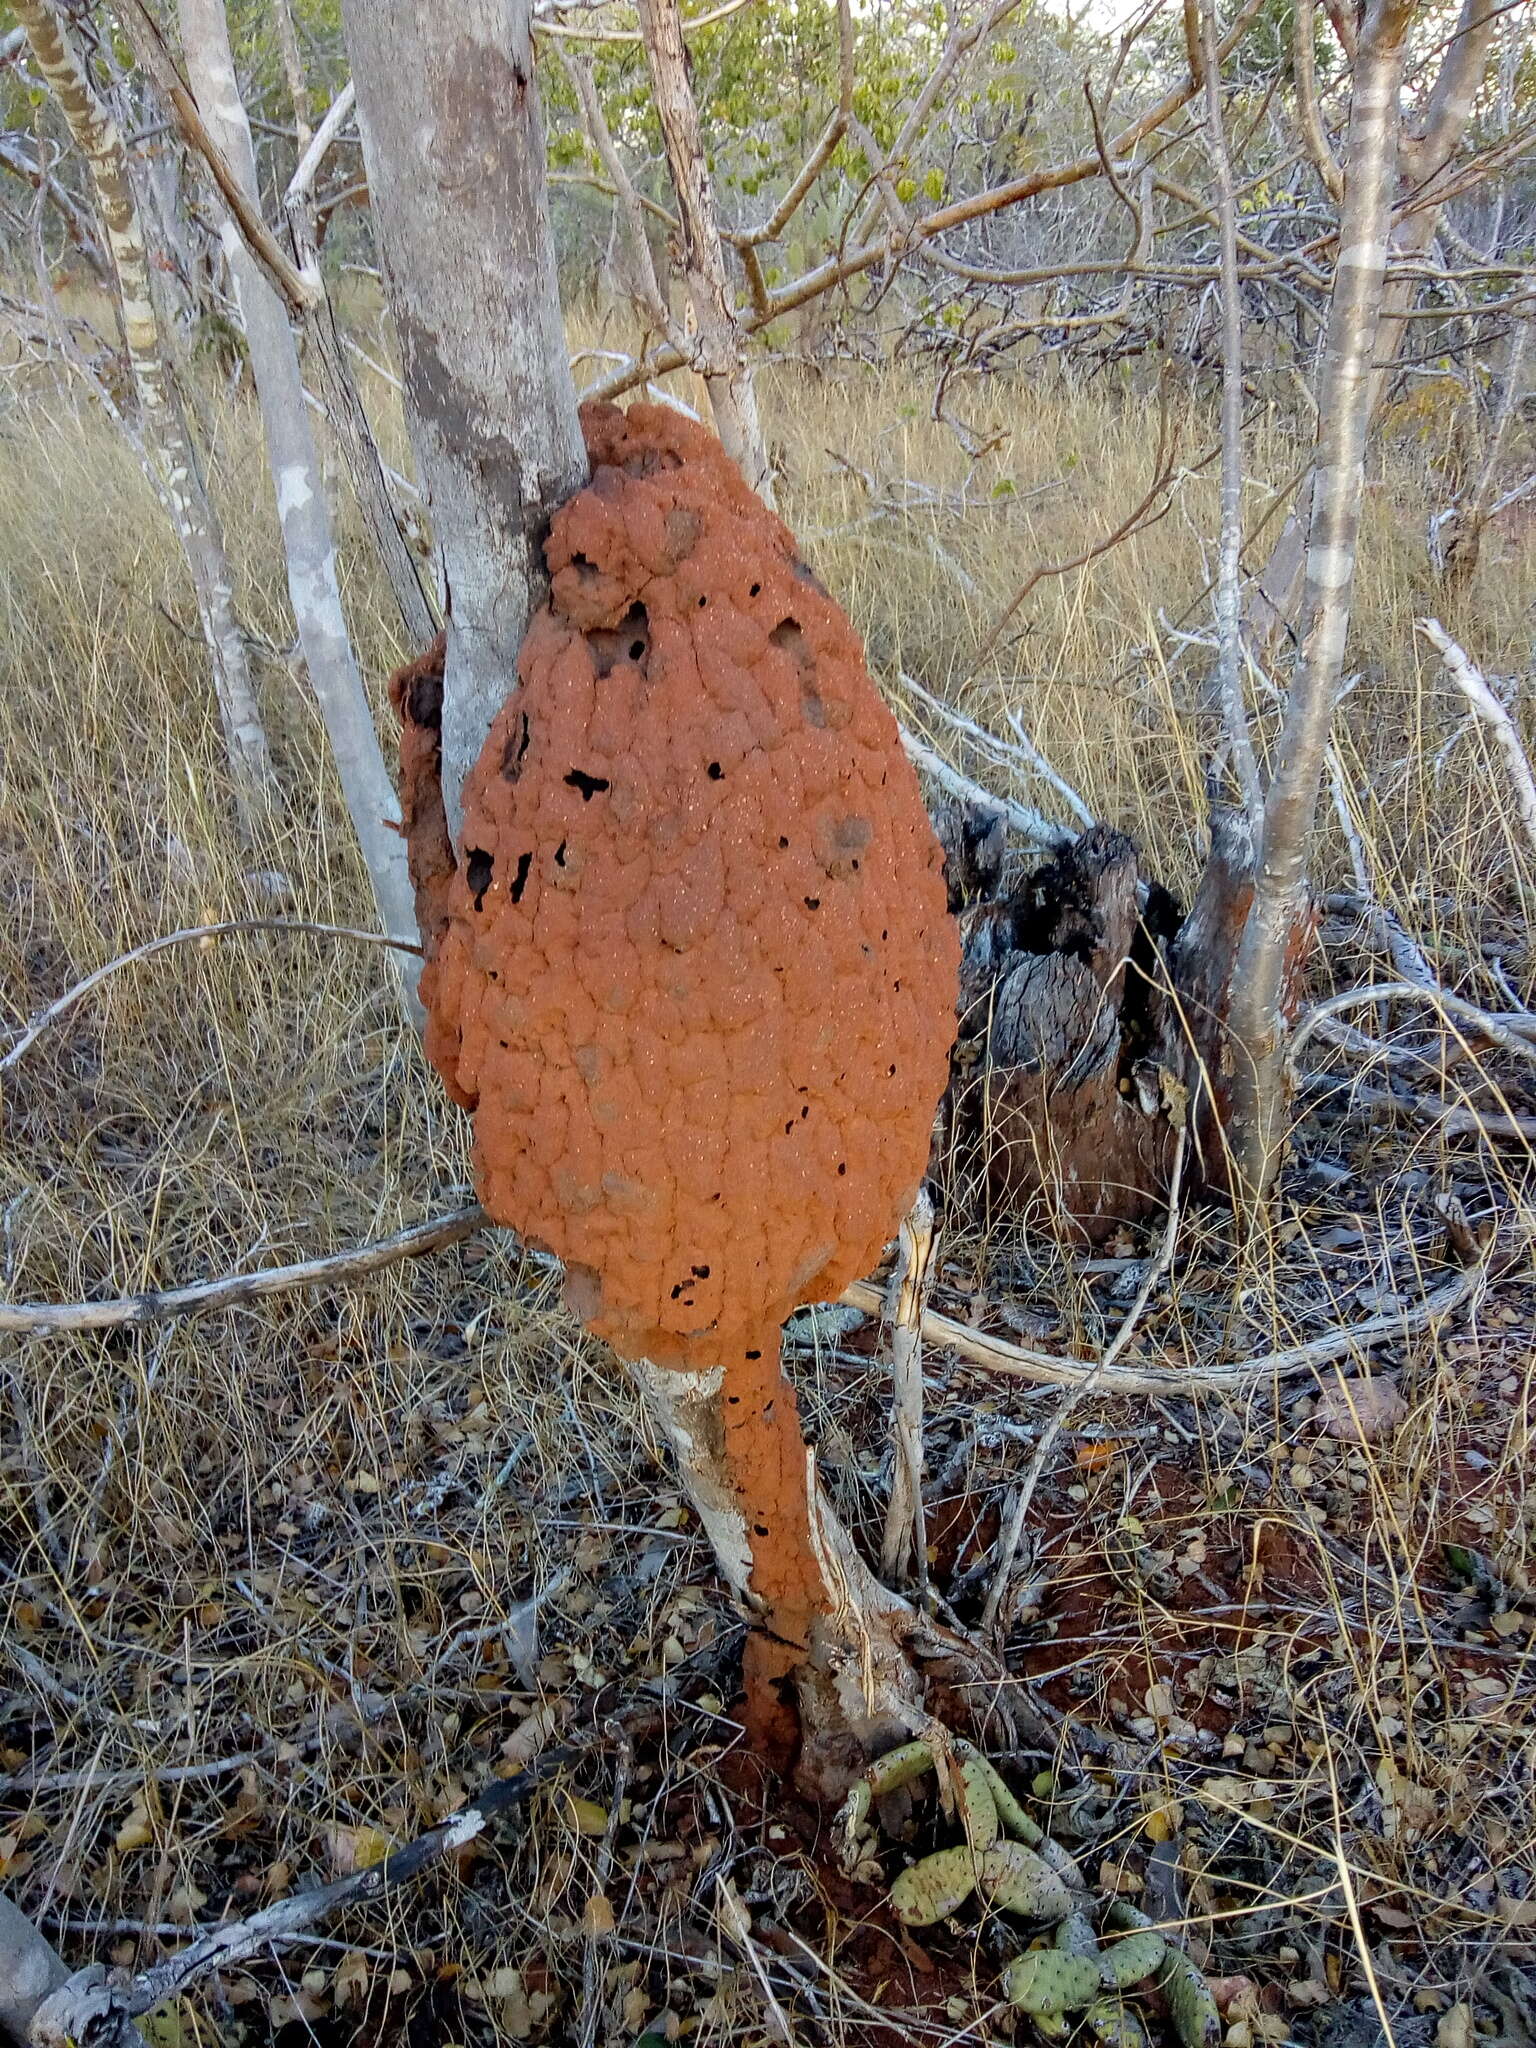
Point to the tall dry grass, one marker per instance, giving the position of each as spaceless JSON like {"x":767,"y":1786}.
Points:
{"x":299,"y":1533}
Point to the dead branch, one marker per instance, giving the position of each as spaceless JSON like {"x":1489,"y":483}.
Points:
{"x":1469,"y":679}
{"x":155,"y":55}
{"x":1146,"y":513}
{"x":1513,"y":1034}
{"x":89,"y":2006}
{"x":1029,"y":824}
{"x":38,"y":1318}
{"x":71,"y":996}
{"x":1243,"y":1376}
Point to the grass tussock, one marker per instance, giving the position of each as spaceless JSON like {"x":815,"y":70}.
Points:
{"x":285,"y":1584}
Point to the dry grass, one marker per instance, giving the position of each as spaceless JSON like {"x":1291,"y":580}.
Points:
{"x":288,"y":1534}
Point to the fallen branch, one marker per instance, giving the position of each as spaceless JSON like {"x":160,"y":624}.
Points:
{"x":1512,"y":1033}
{"x":1469,"y":679}
{"x":1030,"y":824}
{"x":1242,"y":1376}
{"x":30,"y":1969}
{"x":39,"y":1318}
{"x":71,"y":996}
{"x":88,"y":2008}
{"x":941,"y":1332}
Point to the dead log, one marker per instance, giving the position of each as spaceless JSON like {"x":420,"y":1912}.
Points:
{"x":1092,"y":1026}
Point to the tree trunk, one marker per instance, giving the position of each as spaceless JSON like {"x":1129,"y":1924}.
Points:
{"x":453,"y":139}
{"x":344,"y":407}
{"x":720,"y":354}
{"x":166,"y":449}
{"x":1280,"y":904}
{"x":309,"y":545}
{"x":455,"y":157}
{"x":1277,"y":593}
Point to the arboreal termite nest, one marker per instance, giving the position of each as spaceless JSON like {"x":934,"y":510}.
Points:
{"x":693,"y":968}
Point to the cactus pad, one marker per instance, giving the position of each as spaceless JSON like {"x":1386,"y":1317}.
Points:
{"x":1015,"y":1878}
{"x":1137,"y":1955}
{"x":1115,"y":2024}
{"x":929,"y":1891}
{"x":1049,"y":1981}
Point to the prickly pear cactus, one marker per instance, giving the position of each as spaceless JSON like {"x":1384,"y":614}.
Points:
{"x":1015,"y":1867}
{"x":1114,"y":2023}
{"x":1136,"y":1956}
{"x":1050,"y":1980}
{"x":1021,"y":1882}
{"x":929,"y":1891}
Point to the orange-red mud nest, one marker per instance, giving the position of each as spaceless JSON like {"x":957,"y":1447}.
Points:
{"x":693,"y":969}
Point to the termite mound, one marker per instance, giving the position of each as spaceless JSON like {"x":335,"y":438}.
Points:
{"x":692,"y":968}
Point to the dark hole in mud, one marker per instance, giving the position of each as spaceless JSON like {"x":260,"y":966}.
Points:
{"x":716,"y":772}
{"x":589,"y":785}
{"x":514,"y":750}
{"x":479,"y":870}
{"x":520,"y":879}
{"x":629,"y":640}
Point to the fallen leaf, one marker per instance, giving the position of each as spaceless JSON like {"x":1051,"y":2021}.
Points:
{"x":1093,"y":1457}
{"x":354,"y":1849}
{"x":135,"y":1832}
{"x":1360,"y":1411}
{"x":584,"y":1815}
{"x":598,"y":1918}
{"x":1455,"y":2028}
{"x":1304,"y":1991}
{"x":351,"y":1979}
